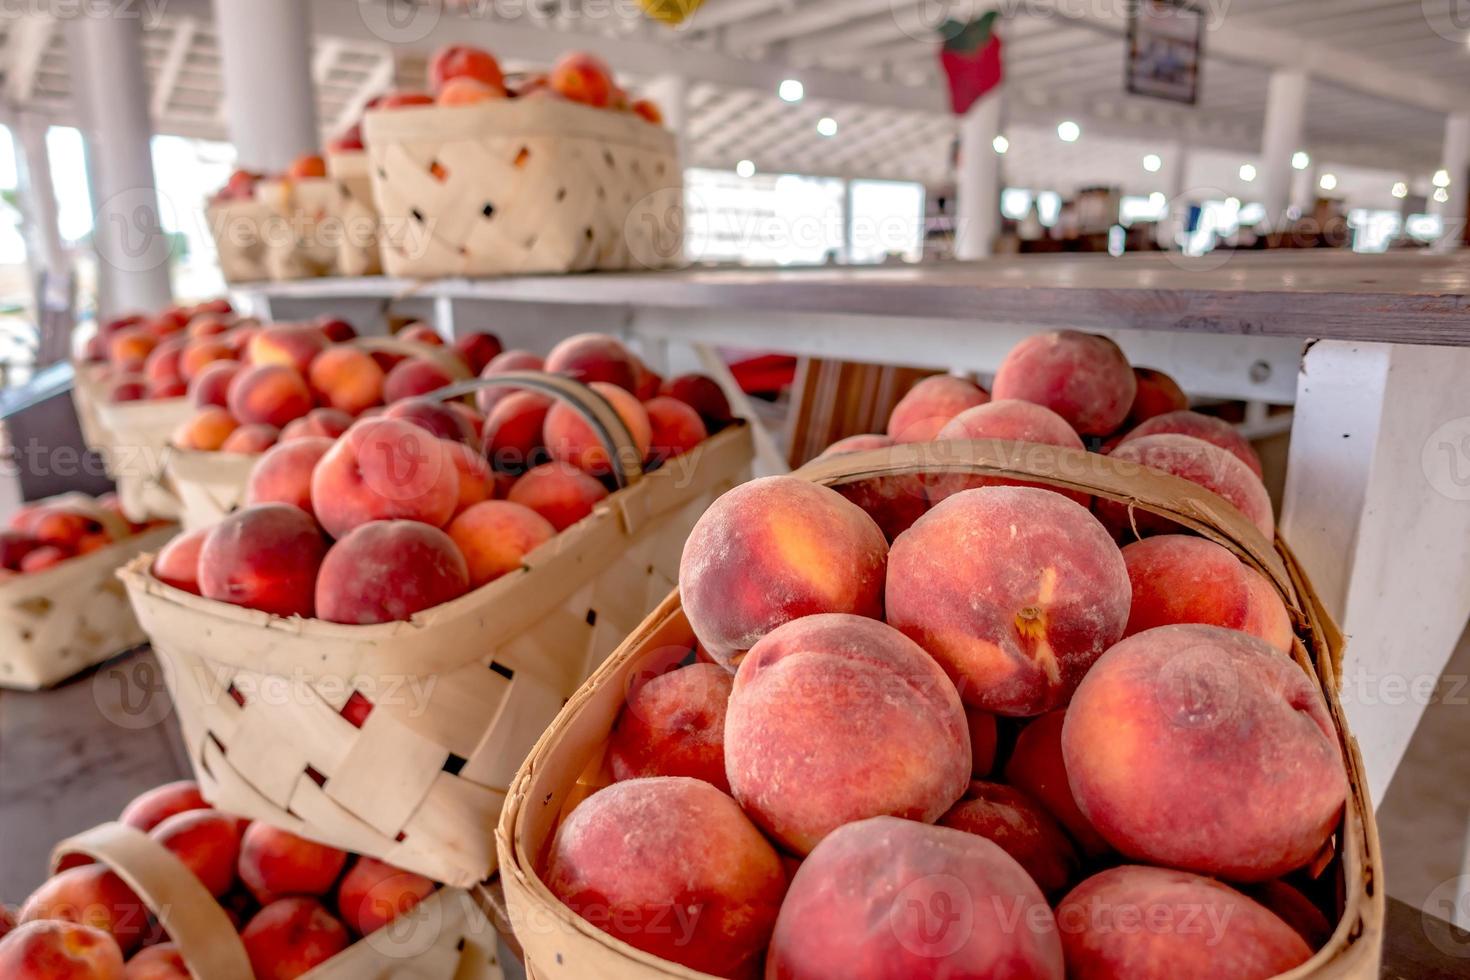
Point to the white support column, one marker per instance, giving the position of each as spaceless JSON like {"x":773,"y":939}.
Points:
{"x":1377,"y":508}
{"x":671,"y":94}
{"x":978,"y":181}
{"x":270,"y":102}
{"x":1304,"y":188}
{"x":112,"y":94}
{"x":1455,"y":160}
{"x":1176,"y":192}
{"x":1286,"y":103}
{"x":38,"y":196}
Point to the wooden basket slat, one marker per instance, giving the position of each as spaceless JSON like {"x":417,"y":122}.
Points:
{"x":131,"y":438}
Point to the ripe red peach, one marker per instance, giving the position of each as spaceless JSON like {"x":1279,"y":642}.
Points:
{"x":206,"y":430}
{"x":512,"y":431}
{"x":675,"y":428}
{"x":590,"y":357}
{"x":894,"y":502}
{"x":273,"y":394}
{"x":162,"y":364}
{"x":167,"y":389}
{"x":495,"y":536}
{"x":384,"y":469}
{"x":703,"y":394}
{"x":1198,"y":462}
{"x":930,"y":404}
{"x":571,"y":439}
{"x":559,"y":492}
{"x":177,"y":563}
{"x":673,"y":724}
{"x":1082,"y":377}
{"x":580,"y":76}
{"x":306,"y":167}
{"x":294,"y":345}
{"x":1037,"y":767}
{"x":672,"y":867}
{"x":1295,"y":909}
{"x":647,"y":382}
{"x":276,"y":862}
{"x":319,"y":422}
{"x":373,"y":894}
{"x":263,"y":557}
{"x":478,"y":349}
{"x":421,"y":333}
{"x":44,"y":557}
{"x":283,"y":474}
{"x":1013,"y":421}
{"x":128,"y":389}
{"x":1015,"y":591}
{"x":464,"y":61}
{"x":207,"y":325}
{"x":202,"y":352}
{"x":93,"y":896}
{"x":347,"y":378}
{"x":211,"y":385}
{"x":386,"y":571}
{"x":1204,"y":749}
{"x":984,"y":739}
{"x":896,"y":898}
{"x":887,"y":735}
{"x":290,"y":936}
{"x":1158,"y":924}
{"x":414,"y":376}
{"x":1022,"y":828}
{"x":151,"y":808}
{"x":128,"y":349}
{"x":336,"y":330}
{"x":14,"y":546}
{"x":160,"y":962}
{"x":435,"y":417}
{"x":476,"y":479}
{"x":58,"y":950}
{"x":1177,"y":578}
{"x":254,"y":438}
{"x":1215,"y":431}
{"x":1157,"y":393}
{"x":207,"y":842}
{"x":511,"y":360}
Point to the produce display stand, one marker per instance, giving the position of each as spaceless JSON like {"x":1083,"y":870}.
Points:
{"x":1372,"y":352}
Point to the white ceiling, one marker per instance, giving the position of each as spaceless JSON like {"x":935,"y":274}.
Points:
{"x":1383,"y":72}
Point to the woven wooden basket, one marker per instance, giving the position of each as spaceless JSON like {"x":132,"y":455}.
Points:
{"x":446,"y":936}
{"x":357,"y":253}
{"x":301,"y":231}
{"x":523,"y":186}
{"x":132,"y":439}
{"x":460,"y":693}
{"x":237,"y":228}
{"x":60,"y":621}
{"x":567,"y":764}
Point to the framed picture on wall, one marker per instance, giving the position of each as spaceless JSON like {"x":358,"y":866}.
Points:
{"x":1165,"y":41}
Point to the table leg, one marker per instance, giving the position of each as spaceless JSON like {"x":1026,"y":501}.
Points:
{"x":1377,"y":508}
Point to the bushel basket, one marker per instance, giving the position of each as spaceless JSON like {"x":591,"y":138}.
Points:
{"x":568,"y":763}
{"x":459,"y":693}
{"x":132,"y":439}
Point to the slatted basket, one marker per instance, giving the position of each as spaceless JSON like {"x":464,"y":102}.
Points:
{"x":132,"y":439}
{"x":446,"y":936}
{"x":357,"y":253}
{"x":238,"y":230}
{"x":459,"y":693}
{"x":568,"y":763}
{"x":523,"y":186}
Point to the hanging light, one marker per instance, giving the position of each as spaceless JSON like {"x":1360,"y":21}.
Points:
{"x":827,"y":126}
{"x":1400,"y":189}
{"x":745,"y":168}
{"x":1300,"y":160}
{"x":1153,"y":163}
{"x":1001,"y":144}
{"x":1247,"y":172}
{"x":1328,"y":182}
{"x":791,"y":90}
{"x":1068,"y":131}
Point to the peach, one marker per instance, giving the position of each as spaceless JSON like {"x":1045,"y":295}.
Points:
{"x":92,"y":896}
{"x":414,"y":376}
{"x":512,"y":431}
{"x":385,"y":571}
{"x":128,"y":349}
{"x":472,"y":416}
{"x":464,"y":61}
{"x":290,"y":936}
{"x":477,"y":349}
{"x":930,"y":404}
{"x":272,"y":393}
{"x":885,"y":735}
{"x":307,"y":166}
{"x":1198,"y":462}
{"x":476,"y":479}
{"x":703,"y":394}
{"x":264,"y":557}
{"x":580,"y":76}
{"x":211,"y":384}
{"x":495,"y":536}
{"x":1295,"y":909}
{"x":177,"y":563}
{"x":207,"y":325}
{"x":283,"y":474}
{"x":570,"y":438}
{"x":773,"y":550}
{"x":207,"y":842}
{"x":14,"y":546}
{"x":1036,"y":766}
{"x":160,"y":962}
{"x":1157,"y":394}
{"x":1014,"y":590}
{"x":421,"y":333}
{"x":55,"y":950}
{"x":336,"y":330}
{"x":373,"y":894}
{"x":673,"y":724}
{"x":254,"y":438}
{"x":894,"y":502}
{"x":649,"y":110}
{"x":1181,"y":579}
{"x":202,"y":352}
{"x":895,"y":898}
{"x":44,"y":557}
{"x":559,"y":492}
{"x":984,"y":739}
{"x":1215,"y":431}
{"x":276,"y":862}
{"x":1022,"y":828}
{"x":1204,"y":749}
{"x":295,"y":345}
{"x":317,"y":423}
{"x":1158,"y":924}
{"x":400,"y":100}
{"x":1014,"y":421}
{"x":646,"y":382}
{"x":162,"y":364}
{"x":674,"y":428}
{"x":346,"y":378}
{"x":153,"y":807}
{"x":670,"y":866}
{"x":206,"y":430}
{"x":433,"y":416}
{"x":467,"y":91}
{"x":1082,"y":377}
{"x":511,"y":360}
{"x":128,"y":389}
{"x":384,"y":469}
{"x":171,"y":388}
{"x":57,"y":525}
{"x":589,"y":357}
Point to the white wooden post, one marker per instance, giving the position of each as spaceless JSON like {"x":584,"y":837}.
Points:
{"x":38,"y":195}
{"x":1286,"y":103}
{"x":1455,"y":160}
{"x":1377,"y":508}
{"x":671,"y":94}
{"x":978,"y":181}
{"x":270,"y":102}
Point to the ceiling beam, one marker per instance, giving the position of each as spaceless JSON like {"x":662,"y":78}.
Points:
{"x":717,"y":13}
{"x":30,"y":36}
{"x":374,"y":83}
{"x":173,"y":63}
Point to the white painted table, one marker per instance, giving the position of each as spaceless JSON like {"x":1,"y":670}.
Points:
{"x":1374,"y":352}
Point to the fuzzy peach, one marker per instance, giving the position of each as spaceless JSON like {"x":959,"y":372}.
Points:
{"x":276,"y":862}
{"x":283,"y":474}
{"x":674,"y":428}
{"x":415,"y":376}
{"x":1013,"y":421}
{"x":386,"y":571}
{"x":1215,"y":431}
{"x":893,"y":502}
{"x":162,"y":364}
{"x":206,"y":430}
{"x":337,"y":331}
{"x":1157,"y":394}
{"x":93,"y":896}
{"x":290,"y":936}
{"x":476,"y":479}
{"x":571,"y":439}
{"x":264,"y":557}
{"x":211,"y":385}
{"x":674,"y":725}
{"x":511,"y":360}
{"x":984,"y":740}
{"x":1014,"y":590}
{"x":373,"y":894}
{"x":1036,"y":765}
{"x":1204,"y":749}
{"x":477,"y":349}
{"x":1198,"y":462}
{"x":207,"y":842}
{"x":177,"y":563}
{"x":434,"y":417}
{"x":495,"y":536}
{"x":128,"y":349}
{"x":589,"y":357}
{"x":464,"y":61}
{"x":559,"y":492}
{"x":647,"y":381}
{"x":295,"y":345}
{"x":346,"y":378}
{"x":319,"y":422}
{"x":199,"y":353}
{"x":272,"y":393}
{"x":512,"y":431}
{"x":1022,"y":828}
{"x":929,"y":405}
{"x":152,"y":808}
{"x":703,"y":394}
{"x":59,"y":950}
{"x":384,"y":469}
{"x":1082,"y":377}
{"x":254,"y":438}
{"x":160,"y":962}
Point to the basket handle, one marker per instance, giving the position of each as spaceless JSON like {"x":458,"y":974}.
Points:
{"x":195,"y":922}
{"x":594,"y":409}
{"x":440,"y":356}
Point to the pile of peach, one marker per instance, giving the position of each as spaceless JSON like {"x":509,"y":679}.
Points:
{"x":992,"y":744}
{"x":142,"y":358}
{"x":43,"y":535}
{"x":241,"y":185}
{"x":296,"y":903}
{"x":416,"y":505}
